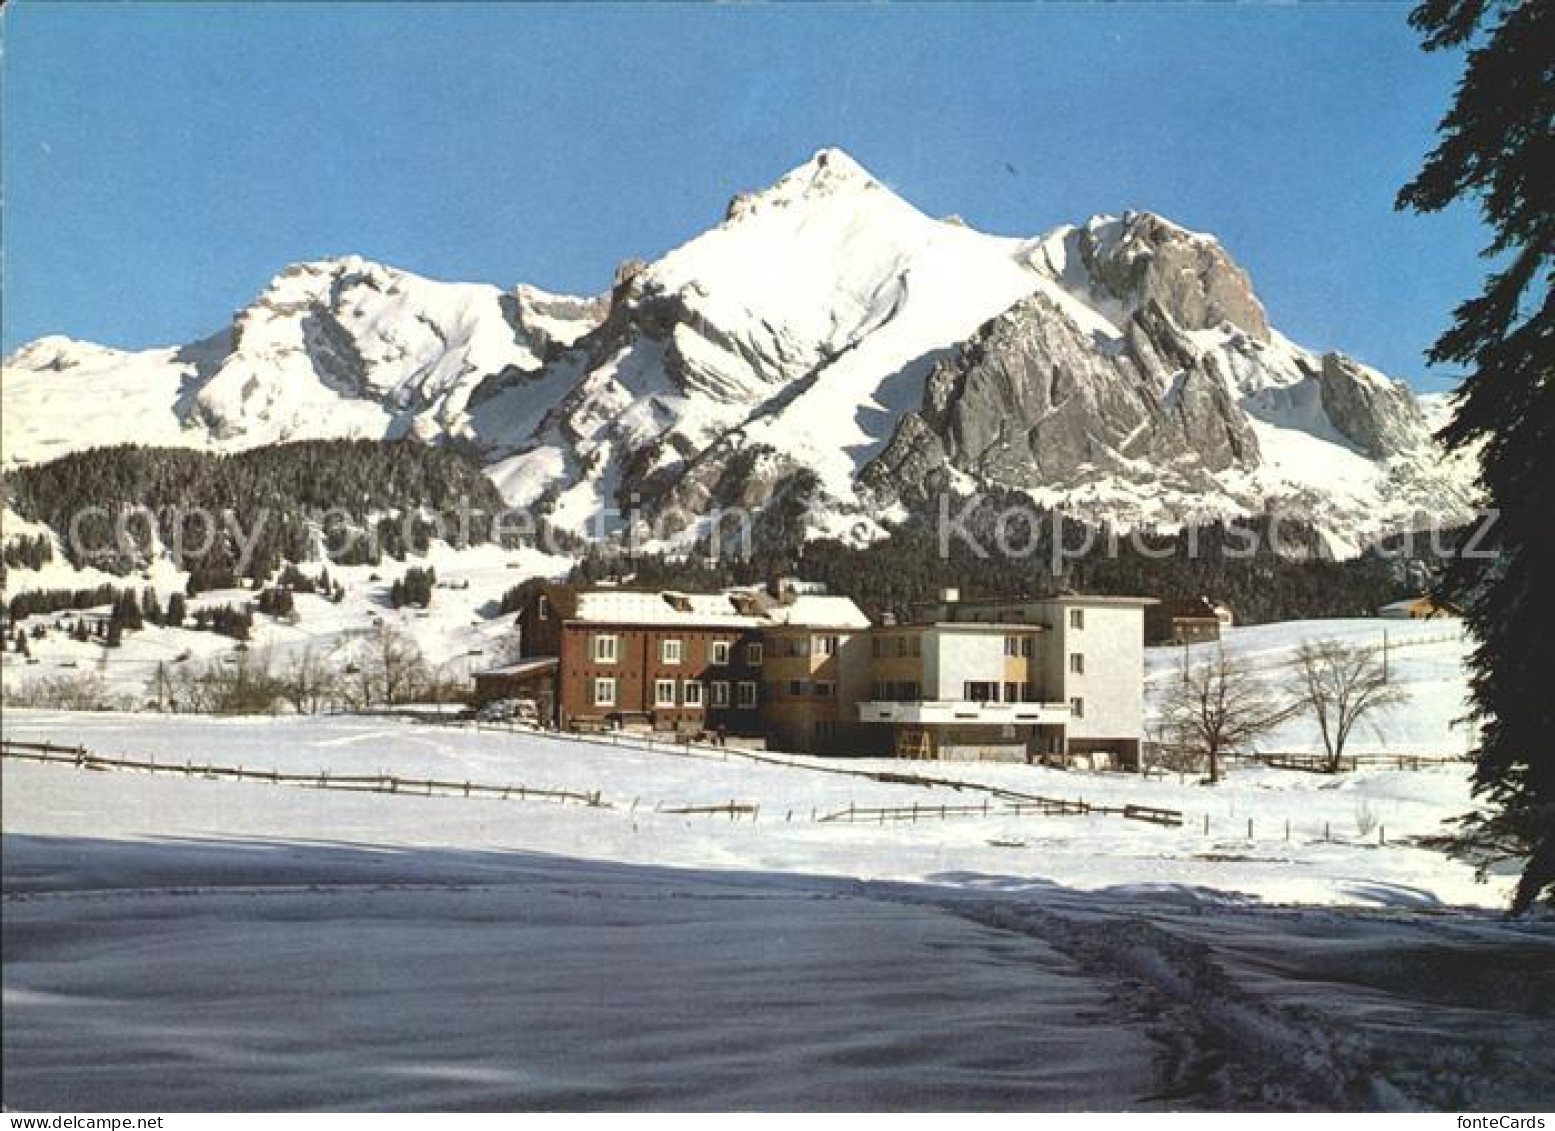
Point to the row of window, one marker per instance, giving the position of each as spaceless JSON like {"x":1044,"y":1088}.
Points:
{"x":975,"y":691}
{"x":1018,"y":646}
{"x":607,"y":648}
{"x":687,"y":693}
{"x":897,"y":690}
{"x":801,"y":688}
{"x":908,"y":644}
{"x":690,"y":693}
{"x":806,"y":645}
{"x":672,"y":650}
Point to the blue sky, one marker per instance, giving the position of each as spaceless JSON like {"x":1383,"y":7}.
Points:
{"x":162,"y":162}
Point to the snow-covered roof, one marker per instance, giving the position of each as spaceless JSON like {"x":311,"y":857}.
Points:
{"x":635,"y":606}
{"x":521,"y":667}
{"x":735,"y":608}
{"x":1413,"y":602}
{"x":820,"y":611}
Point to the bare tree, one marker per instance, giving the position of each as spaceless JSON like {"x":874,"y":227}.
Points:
{"x":394,"y":666}
{"x":1218,"y":705}
{"x":75,"y":692}
{"x":310,"y":683}
{"x":1341,"y":685}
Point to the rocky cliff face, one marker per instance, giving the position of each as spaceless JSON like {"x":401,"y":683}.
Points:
{"x":826,"y":349}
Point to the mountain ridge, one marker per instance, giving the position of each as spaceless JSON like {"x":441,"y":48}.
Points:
{"x":826,"y":345}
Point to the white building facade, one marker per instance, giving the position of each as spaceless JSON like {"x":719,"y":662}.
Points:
{"x":1011,"y":681}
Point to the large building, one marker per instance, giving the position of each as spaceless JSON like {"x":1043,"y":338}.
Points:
{"x":685,"y":662}
{"x":806,"y":671}
{"x":1010,"y":680}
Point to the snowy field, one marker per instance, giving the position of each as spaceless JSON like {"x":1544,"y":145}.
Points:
{"x":175,"y":942}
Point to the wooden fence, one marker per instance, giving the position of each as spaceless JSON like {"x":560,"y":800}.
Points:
{"x":1043,"y":807}
{"x":360,"y":783}
{"x":1011,"y":802}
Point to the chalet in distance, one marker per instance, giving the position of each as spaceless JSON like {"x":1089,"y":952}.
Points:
{"x":1186,"y":620}
{"x":807,"y":672}
{"x":1418,"y":608}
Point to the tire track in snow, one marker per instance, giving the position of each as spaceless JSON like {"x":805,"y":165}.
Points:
{"x":1220,"y":1046}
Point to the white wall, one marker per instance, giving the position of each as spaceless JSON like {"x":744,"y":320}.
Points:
{"x":956,"y":657}
{"x":1112,"y":686}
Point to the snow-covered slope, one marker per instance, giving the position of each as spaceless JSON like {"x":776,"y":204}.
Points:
{"x":827,"y":346}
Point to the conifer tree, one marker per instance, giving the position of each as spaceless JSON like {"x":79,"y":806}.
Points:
{"x":1497,"y":149}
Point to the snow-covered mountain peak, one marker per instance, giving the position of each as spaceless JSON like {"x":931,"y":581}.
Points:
{"x":830,"y":174}
{"x":827,"y":350}
{"x":57,"y":352}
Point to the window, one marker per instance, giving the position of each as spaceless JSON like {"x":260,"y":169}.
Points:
{"x":1077,"y":708}
{"x":874,"y":646}
{"x":1012,"y":646}
{"x":979,"y":691}
{"x":543,"y":607}
{"x":1012,"y":692}
{"x":901,"y":645}
{"x":826,"y":728}
{"x":1076,"y":618}
{"x":664,"y":693}
{"x":825,"y":645}
{"x":825,"y":690}
{"x":606,"y":649}
{"x":720,"y":651}
{"x":720,"y":692}
{"x":916,"y":646}
{"x":747,"y":693}
{"x":605,"y":691}
{"x":796,"y":687}
{"x":753,"y":656}
{"x":691,"y":693}
{"x":669,"y":651}
{"x":1026,"y":646}
{"x":1077,"y":663}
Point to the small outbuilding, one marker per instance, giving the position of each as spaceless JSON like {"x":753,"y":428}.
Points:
{"x":1183,"y":620}
{"x":523,"y":679}
{"x":1424,"y":607}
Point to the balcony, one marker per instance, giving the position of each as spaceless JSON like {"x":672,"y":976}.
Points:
{"x":925,"y":712}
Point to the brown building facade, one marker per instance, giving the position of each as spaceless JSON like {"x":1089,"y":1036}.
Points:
{"x":692,"y":663}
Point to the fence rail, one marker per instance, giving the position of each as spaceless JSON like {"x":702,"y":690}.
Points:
{"x":81,"y":758}
{"x":1010,"y":802}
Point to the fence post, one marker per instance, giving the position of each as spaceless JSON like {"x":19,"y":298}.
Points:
{"x":1382,"y":834}
{"x":1249,"y":828}
{"x":1206,"y":824}
{"x":1327,"y":835}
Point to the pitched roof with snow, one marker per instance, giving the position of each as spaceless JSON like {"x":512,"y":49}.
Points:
{"x":813,"y":610}
{"x":735,"y":608}
{"x":636,"y":606}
